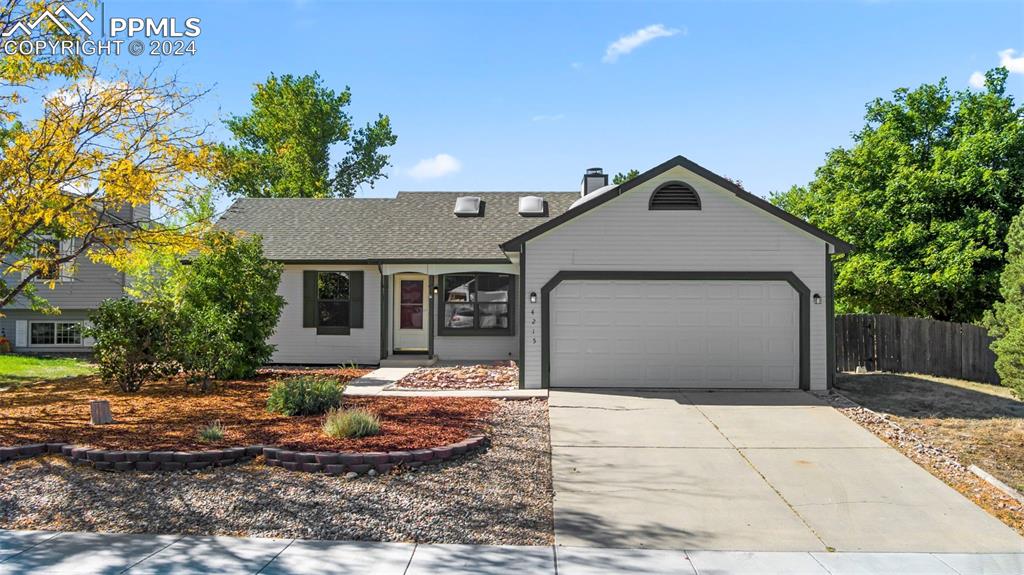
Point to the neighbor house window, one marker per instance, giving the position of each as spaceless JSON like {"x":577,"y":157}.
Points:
{"x":477,"y":303}
{"x":332,"y":299}
{"x":48,"y":249}
{"x":55,"y":333}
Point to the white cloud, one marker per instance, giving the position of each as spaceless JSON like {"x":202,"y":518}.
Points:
{"x":547,"y":117}
{"x":977,"y":80}
{"x":577,"y":65}
{"x":630,"y":42}
{"x":436,"y":167}
{"x":1014,"y":65}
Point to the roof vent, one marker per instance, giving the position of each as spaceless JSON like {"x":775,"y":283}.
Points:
{"x":532,"y":206}
{"x":674,"y":196}
{"x":467,"y":206}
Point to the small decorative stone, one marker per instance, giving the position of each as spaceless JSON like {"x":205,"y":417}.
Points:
{"x":99,"y":412}
{"x":372,"y":472}
{"x":351,"y":475}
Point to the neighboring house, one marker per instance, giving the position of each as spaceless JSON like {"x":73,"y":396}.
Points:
{"x":677,"y":278}
{"x":78,"y":289}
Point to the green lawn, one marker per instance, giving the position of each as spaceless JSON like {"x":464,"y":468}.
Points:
{"x":20,"y":369}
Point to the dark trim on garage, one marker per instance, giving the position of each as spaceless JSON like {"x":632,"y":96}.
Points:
{"x":522,"y":315}
{"x":830,"y":320}
{"x":788,"y":277}
{"x":678,"y":161}
{"x":431,"y":302}
{"x":384,"y":280}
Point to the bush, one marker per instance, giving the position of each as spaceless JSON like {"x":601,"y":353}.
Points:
{"x":205,"y":347}
{"x":212,"y":433}
{"x":230,"y":291}
{"x":1005,"y":322}
{"x":131,"y":341}
{"x":350,"y":423}
{"x":305,"y":395}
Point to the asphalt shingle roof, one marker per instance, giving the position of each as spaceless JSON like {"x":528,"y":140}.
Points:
{"x":411,"y":226}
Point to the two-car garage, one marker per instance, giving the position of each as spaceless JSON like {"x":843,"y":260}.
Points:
{"x":651,"y":330}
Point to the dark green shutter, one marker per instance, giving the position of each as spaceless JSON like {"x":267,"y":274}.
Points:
{"x":355,"y":297}
{"x":309,"y":298}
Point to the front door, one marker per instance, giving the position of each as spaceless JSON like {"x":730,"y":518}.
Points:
{"x":410,"y":312}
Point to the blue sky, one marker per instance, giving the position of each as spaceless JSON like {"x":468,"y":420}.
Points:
{"x":524,"y":96}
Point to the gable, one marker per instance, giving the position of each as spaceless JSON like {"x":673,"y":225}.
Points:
{"x":682,"y":170}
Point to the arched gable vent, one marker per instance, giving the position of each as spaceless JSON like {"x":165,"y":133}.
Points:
{"x":674,"y":196}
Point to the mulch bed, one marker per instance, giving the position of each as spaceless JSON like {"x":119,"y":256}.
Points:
{"x":499,"y":376}
{"x":166,"y":415}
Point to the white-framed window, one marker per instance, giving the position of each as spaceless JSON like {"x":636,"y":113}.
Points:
{"x":56,"y":272}
{"x":55,"y":333}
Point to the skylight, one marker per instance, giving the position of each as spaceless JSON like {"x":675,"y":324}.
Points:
{"x":467,"y":206}
{"x":531,"y":206}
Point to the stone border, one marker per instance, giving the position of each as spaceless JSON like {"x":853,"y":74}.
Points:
{"x":337,"y":463}
{"x":331,"y":463}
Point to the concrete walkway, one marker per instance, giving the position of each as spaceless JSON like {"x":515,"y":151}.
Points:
{"x":746,"y":471}
{"x":381,"y":381}
{"x":94,"y":553}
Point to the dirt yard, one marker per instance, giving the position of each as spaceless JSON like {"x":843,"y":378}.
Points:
{"x":979,"y":424}
{"x":167,"y":415}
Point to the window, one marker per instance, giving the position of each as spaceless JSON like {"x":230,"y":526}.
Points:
{"x":674,"y":196}
{"x":55,"y":333}
{"x":477,"y":304}
{"x":48,"y":249}
{"x":332,"y":299}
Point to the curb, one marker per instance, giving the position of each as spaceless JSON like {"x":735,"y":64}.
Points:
{"x":991,"y":480}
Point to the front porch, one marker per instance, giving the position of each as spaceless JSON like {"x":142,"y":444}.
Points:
{"x":451,"y":313}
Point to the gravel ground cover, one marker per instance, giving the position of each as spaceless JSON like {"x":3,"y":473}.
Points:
{"x":497,"y":376}
{"x":500,"y":496}
{"x":940,"y":462}
{"x":980,"y":424}
{"x":167,"y":415}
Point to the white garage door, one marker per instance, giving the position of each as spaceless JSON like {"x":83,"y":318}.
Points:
{"x":695,"y":334}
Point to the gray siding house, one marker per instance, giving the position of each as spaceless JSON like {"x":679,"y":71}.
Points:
{"x":78,"y":290}
{"x":677,"y":278}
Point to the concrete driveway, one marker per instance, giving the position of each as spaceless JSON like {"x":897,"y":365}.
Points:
{"x":750,"y":471}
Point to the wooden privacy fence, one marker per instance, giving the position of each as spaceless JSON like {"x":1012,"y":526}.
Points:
{"x":914,"y":345}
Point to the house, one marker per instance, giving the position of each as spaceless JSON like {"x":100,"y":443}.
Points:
{"x":78,"y":289}
{"x":677,"y":278}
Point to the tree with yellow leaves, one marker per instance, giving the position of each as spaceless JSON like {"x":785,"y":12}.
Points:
{"x":103,"y":144}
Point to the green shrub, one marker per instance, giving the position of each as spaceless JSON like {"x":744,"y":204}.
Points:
{"x":212,"y":433}
{"x":350,"y":423}
{"x":205,"y":346}
{"x":229,"y":291}
{"x":132,"y":341}
{"x":305,"y":395}
{"x":1005,"y":321}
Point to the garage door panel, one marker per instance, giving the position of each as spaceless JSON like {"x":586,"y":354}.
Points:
{"x":728,"y":334}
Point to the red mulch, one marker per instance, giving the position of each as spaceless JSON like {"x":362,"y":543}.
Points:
{"x":504,"y":375}
{"x":167,"y":415}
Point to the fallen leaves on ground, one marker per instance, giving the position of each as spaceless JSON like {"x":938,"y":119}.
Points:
{"x":167,"y":415}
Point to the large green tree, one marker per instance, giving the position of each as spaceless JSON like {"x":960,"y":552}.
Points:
{"x":282,"y":146}
{"x":926,"y":194}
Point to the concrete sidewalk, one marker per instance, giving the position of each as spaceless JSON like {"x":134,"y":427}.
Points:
{"x":96,"y":553}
